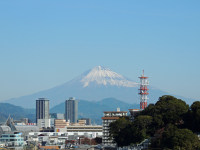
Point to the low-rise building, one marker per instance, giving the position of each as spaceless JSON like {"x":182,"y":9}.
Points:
{"x":82,"y":122}
{"x":9,"y":128}
{"x":14,"y":139}
{"x":54,"y":116}
{"x":90,"y":131}
{"x":43,"y":123}
{"x":88,"y":121}
{"x":78,"y":129}
{"x":23,"y":121}
{"x":60,"y":125}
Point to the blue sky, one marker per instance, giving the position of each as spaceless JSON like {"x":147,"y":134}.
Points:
{"x":46,"y":43}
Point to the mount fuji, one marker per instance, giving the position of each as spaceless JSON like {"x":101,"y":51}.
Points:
{"x":104,"y":76}
{"x":93,"y":85}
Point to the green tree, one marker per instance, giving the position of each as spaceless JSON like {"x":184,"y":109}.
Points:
{"x":171,"y":109}
{"x":192,"y":117}
{"x":184,"y":139}
{"x":120,"y":131}
{"x":167,"y":122}
{"x":167,"y":110}
{"x":124,"y":132}
{"x":98,"y":140}
{"x":142,"y":124}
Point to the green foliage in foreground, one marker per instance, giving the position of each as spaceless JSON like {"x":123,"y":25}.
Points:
{"x":176,"y":139}
{"x":170,"y":123}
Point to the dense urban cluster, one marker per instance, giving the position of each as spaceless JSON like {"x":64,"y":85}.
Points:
{"x":168,"y":124}
{"x":51,"y":130}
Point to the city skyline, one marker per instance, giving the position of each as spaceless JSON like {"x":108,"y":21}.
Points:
{"x":45,"y":44}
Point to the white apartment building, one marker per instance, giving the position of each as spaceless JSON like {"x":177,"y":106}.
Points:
{"x":110,"y":116}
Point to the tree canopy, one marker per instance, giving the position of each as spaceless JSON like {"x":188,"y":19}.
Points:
{"x":175,"y":138}
{"x":192,"y":117}
{"x":168,"y":123}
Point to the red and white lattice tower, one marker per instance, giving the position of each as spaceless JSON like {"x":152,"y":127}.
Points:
{"x":143,"y":91}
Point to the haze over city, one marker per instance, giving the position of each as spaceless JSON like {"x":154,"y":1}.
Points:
{"x":46,"y":43}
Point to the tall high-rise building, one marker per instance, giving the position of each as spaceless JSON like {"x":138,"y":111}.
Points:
{"x":42,"y":109}
{"x":71,"y":110}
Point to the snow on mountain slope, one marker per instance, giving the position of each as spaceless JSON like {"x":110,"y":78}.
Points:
{"x":104,"y":76}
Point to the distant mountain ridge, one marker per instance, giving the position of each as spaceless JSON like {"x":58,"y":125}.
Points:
{"x":94,"y":110}
{"x":15,"y":112}
{"x":93,"y":85}
{"x":86,"y":109}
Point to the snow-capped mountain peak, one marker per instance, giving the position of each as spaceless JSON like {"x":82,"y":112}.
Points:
{"x":104,"y":76}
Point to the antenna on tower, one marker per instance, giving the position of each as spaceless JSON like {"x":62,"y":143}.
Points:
{"x":143,"y":91}
{"x":143,"y":72}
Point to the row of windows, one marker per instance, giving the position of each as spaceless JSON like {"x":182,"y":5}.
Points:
{"x":108,"y":121}
{"x":106,"y":137}
{"x":7,"y":140}
{"x":89,"y":128}
{"x":115,"y":114}
{"x":10,"y":135}
{"x":107,"y":141}
{"x":106,"y":124}
{"x":83,"y":131}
